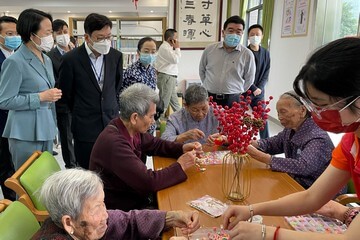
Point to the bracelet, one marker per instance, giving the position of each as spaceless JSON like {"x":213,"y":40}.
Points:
{"x":350,"y":214}
{"x":276,"y":233}
{"x":263,"y":231}
{"x":251,"y":213}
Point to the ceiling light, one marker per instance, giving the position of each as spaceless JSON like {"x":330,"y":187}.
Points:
{"x":110,"y":11}
{"x":7,"y":11}
{"x":151,"y":11}
{"x":68,"y":11}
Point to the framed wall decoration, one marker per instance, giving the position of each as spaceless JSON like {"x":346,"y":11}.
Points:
{"x":301,"y":17}
{"x":198,"y":23}
{"x":288,"y":18}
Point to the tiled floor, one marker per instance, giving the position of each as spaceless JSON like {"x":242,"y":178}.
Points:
{"x":274,"y":128}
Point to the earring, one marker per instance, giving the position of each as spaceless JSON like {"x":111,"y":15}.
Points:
{"x":72,"y":232}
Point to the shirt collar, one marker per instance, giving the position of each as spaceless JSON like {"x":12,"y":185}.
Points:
{"x":62,"y":51}
{"x":6,"y":52}
{"x":90,"y":52}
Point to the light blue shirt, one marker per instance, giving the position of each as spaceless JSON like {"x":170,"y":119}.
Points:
{"x":227,"y":73}
{"x":181,"y":121}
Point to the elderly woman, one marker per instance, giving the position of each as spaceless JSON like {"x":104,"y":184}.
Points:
{"x":118,"y":151}
{"x":75,"y":201}
{"x":307,"y":147}
{"x":194,"y":122}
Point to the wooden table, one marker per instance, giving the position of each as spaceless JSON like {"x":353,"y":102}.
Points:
{"x":266,"y":185}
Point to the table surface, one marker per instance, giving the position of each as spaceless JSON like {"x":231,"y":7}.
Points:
{"x":265,"y":185}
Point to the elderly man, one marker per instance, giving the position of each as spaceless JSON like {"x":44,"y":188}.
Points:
{"x":194,"y":122}
{"x":307,"y":147}
{"x":118,"y":150}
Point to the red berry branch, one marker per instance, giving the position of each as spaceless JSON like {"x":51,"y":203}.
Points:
{"x":239,"y":124}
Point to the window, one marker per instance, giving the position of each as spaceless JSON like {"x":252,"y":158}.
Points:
{"x":336,"y":19}
{"x":253,"y":14}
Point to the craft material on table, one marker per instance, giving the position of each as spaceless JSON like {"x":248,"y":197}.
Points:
{"x":209,"y":205}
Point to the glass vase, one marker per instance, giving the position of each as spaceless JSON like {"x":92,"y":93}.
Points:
{"x":236,"y":176}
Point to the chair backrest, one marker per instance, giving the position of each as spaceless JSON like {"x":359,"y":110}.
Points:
{"x":30,"y":177}
{"x":17,"y":222}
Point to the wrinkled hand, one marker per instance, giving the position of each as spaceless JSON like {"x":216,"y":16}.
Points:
{"x":257,"y":92}
{"x":187,"y":221}
{"x":192,"y":134}
{"x":246,"y":231}
{"x":253,"y":151}
{"x":187,"y":160}
{"x":50,"y":95}
{"x":234,"y":214}
{"x":216,"y":137}
{"x":194,"y":146}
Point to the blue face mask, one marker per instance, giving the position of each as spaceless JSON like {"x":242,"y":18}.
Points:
{"x":147,"y":58}
{"x":232,"y":40}
{"x":12,"y":42}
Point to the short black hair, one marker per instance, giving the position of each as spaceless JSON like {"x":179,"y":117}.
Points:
{"x":94,"y":22}
{"x":7,"y":19}
{"x":29,"y":22}
{"x":58,"y":24}
{"x":143,"y":40}
{"x":169,"y":33}
{"x":256,"y":26}
{"x":234,"y":19}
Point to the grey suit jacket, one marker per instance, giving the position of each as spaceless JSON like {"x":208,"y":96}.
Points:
{"x":23,"y":77}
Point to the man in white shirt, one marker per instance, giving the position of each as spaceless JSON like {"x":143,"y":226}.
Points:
{"x":166,"y":65}
{"x":9,"y":41}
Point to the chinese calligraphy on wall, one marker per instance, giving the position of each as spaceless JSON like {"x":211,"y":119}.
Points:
{"x":197,"y":22}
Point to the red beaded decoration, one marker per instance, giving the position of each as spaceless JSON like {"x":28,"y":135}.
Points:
{"x":238,"y":124}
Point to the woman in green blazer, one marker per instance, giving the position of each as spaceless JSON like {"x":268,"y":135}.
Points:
{"x":27,"y":89}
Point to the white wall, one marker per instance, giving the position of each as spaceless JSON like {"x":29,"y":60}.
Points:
{"x":288,"y":55}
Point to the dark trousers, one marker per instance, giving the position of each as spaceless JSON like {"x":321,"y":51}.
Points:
{"x":225,"y":99}
{"x":6,"y":168}
{"x":82,"y":152}
{"x":66,"y":139}
{"x":254,"y":102}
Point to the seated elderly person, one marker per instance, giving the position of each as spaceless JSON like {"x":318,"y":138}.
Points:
{"x":74,"y":199}
{"x":307,"y":147}
{"x":118,"y":150}
{"x":194,"y":122}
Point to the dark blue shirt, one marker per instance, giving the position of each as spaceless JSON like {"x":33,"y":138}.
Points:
{"x":138,"y":73}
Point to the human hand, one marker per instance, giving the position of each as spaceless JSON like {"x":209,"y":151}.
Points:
{"x":175,"y":43}
{"x":194,"y":146}
{"x":253,"y":151}
{"x":234,"y":214}
{"x":257,"y":92}
{"x":187,"y":160}
{"x":192,"y":134}
{"x":246,"y":231}
{"x":187,"y":221}
{"x":179,"y":238}
{"x":213,"y":138}
{"x":333,"y":209}
{"x":50,"y":95}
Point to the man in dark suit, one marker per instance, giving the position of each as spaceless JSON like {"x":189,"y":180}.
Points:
{"x":63,"y":115}
{"x":90,"y":78}
{"x":9,"y":41}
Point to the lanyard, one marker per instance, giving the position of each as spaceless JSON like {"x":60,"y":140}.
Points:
{"x":98,"y":75}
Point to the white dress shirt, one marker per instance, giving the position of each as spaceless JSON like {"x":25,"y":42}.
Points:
{"x":97,"y":65}
{"x":167,"y":59}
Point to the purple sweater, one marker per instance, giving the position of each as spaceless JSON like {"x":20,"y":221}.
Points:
{"x":144,"y":224}
{"x":127,"y":182}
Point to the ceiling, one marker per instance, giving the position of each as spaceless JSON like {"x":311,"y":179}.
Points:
{"x":81,"y":7}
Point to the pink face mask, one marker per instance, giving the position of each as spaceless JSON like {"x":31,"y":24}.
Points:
{"x":331,"y":122}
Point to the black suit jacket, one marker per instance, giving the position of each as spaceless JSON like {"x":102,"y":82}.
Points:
{"x":3,"y":113}
{"x":56,"y":59}
{"x":92,"y":108}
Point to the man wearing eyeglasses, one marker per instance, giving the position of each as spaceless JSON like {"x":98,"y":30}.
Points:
{"x":227,"y":69}
{"x":90,"y":78}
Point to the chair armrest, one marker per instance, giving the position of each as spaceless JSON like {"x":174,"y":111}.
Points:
{"x":40,"y":215}
{"x":347,"y":198}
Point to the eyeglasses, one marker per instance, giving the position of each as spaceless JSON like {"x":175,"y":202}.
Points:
{"x":102,"y":39}
{"x":317,"y":110}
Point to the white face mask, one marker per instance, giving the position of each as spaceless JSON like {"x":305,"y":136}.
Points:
{"x":63,"y":40}
{"x":46,"y":43}
{"x":102,"y":47}
{"x":255,"y":40}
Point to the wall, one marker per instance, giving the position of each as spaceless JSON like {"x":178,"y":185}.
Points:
{"x":288,"y":55}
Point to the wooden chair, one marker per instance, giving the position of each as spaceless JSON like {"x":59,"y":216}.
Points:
{"x":350,"y":196}
{"x":29,"y":178}
{"x":16,"y":221}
